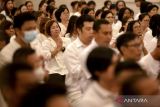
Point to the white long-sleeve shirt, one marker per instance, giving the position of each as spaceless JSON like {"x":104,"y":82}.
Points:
{"x":56,"y":64}
{"x":72,"y":62}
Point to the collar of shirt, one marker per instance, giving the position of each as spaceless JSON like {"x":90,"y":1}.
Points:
{"x":154,"y":63}
{"x":79,"y":44}
{"x":103,"y":92}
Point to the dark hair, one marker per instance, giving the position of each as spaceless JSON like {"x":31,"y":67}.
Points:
{"x":73,"y":3}
{"x":41,"y":94}
{"x":123,"y":39}
{"x":119,"y":2}
{"x":82,"y":19}
{"x":5,"y":25}
{"x":121,"y":13}
{"x":99,"y":11}
{"x":20,"y":19}
{"x":113,"y":6}
{"x":49,"y":1}
{"x":97,"y":24}
{"x":155,"y":25}
{"x":132,"y":66}
{"x":86,"y":10}
{"x":21,"y":54}
{"x":19,"y":8}
{"x":8,"y":12}
{"x":91,"y":2}
{"x":42,"y":24}
{"x":80,"y":3}
{"x":9,"y":73}
{"x":150,"y":7}
{"x":72,"y":24}
{"x":41,"y":4}
{"x":50,"y":10}
{"x":130,"y":25}
{"x":99,"y":60}
{"x":4,"y":37}
{"x":142,"y":16}
{"x":28,"y":2}
{"x":106,"y":2}
{"x":129,"y":86}
{"x":139,"y":0}
{"x":48,"y":27}
{"x":59,"y":12}
{"x":105,"y":13}
{"x":37,"y":14}
{"x":124,"y":21}
{"x":2,"y":17}
{"x":144,"y":5}
{"x":63,"y":6}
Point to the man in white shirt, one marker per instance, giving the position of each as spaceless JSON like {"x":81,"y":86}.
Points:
{"x":102,"y":37}
{"x":101,"y":63}
{"x":151,"y":62}
{"x":25,"y":28}
{"x":130,"y":46}
{"x":84,"y":27}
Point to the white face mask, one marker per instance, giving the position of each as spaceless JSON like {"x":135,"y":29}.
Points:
{"x":40,"y":73}
{"x":29,"y":36}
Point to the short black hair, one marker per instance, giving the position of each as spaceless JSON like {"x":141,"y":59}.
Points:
{"x":130,"y":25}
{"x":129,"y":86}
{"x":128,"y":65}
{"x":91,"y":2}
{"x":50,"y":1}
{"x":142,"y":16}
{"x":113,"y":6}
{"x":105,"y":13}
{"x":155,"y":25}
{"x":21,"y":18}
{"x":5,"y":25}
{"x":21,"y":54}
{"x":144,"y":5}
{"x":99,"y":59}
{"x":123,"y":39}
{"x":73,"y":3}
{"x":8,"y":73}
{"x":150,"y":7}
{"x":82,"y":19}
{"x":97,"y":24}
{"x":59,"y":12}
{"x":86,"y":10}
{"x":39,"y":95}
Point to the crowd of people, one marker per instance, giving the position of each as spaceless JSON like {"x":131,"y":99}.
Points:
{"x":83,"y":57}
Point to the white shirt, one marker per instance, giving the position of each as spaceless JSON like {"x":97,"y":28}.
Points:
{"x":63,"y":29}
{"x":149,"y":41}
{"x":56,"y":64}
{"x":97,"y":96}
{"x":72,"y":38}
{"x":8,"y":51}
{"x":77,"y":14}
{"x":151,"y":65}
{"x":84,"y":57}
{"x":7,"y":17}
{"x":72,"y":62}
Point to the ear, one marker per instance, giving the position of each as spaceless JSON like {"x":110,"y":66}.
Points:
{"x":123,"y":49}
{"x":79,"y":31}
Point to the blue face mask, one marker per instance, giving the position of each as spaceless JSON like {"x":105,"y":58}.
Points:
{"x":29,"y":36}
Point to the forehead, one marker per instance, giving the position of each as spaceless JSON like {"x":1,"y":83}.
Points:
{"x":29,"y":24}
{"x":88,"y":24}
{"x":106,"y":27}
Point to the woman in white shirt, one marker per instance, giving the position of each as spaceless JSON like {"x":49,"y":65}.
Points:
{"x":144,"y":22}
{"x":53,"y":49}
{"x":8,"y":10}
{"x":71,"y":30}
{"x":62,"y":16}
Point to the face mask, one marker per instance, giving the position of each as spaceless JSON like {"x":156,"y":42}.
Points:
{"x":29,"y":36}
{"x":40,"y":73}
